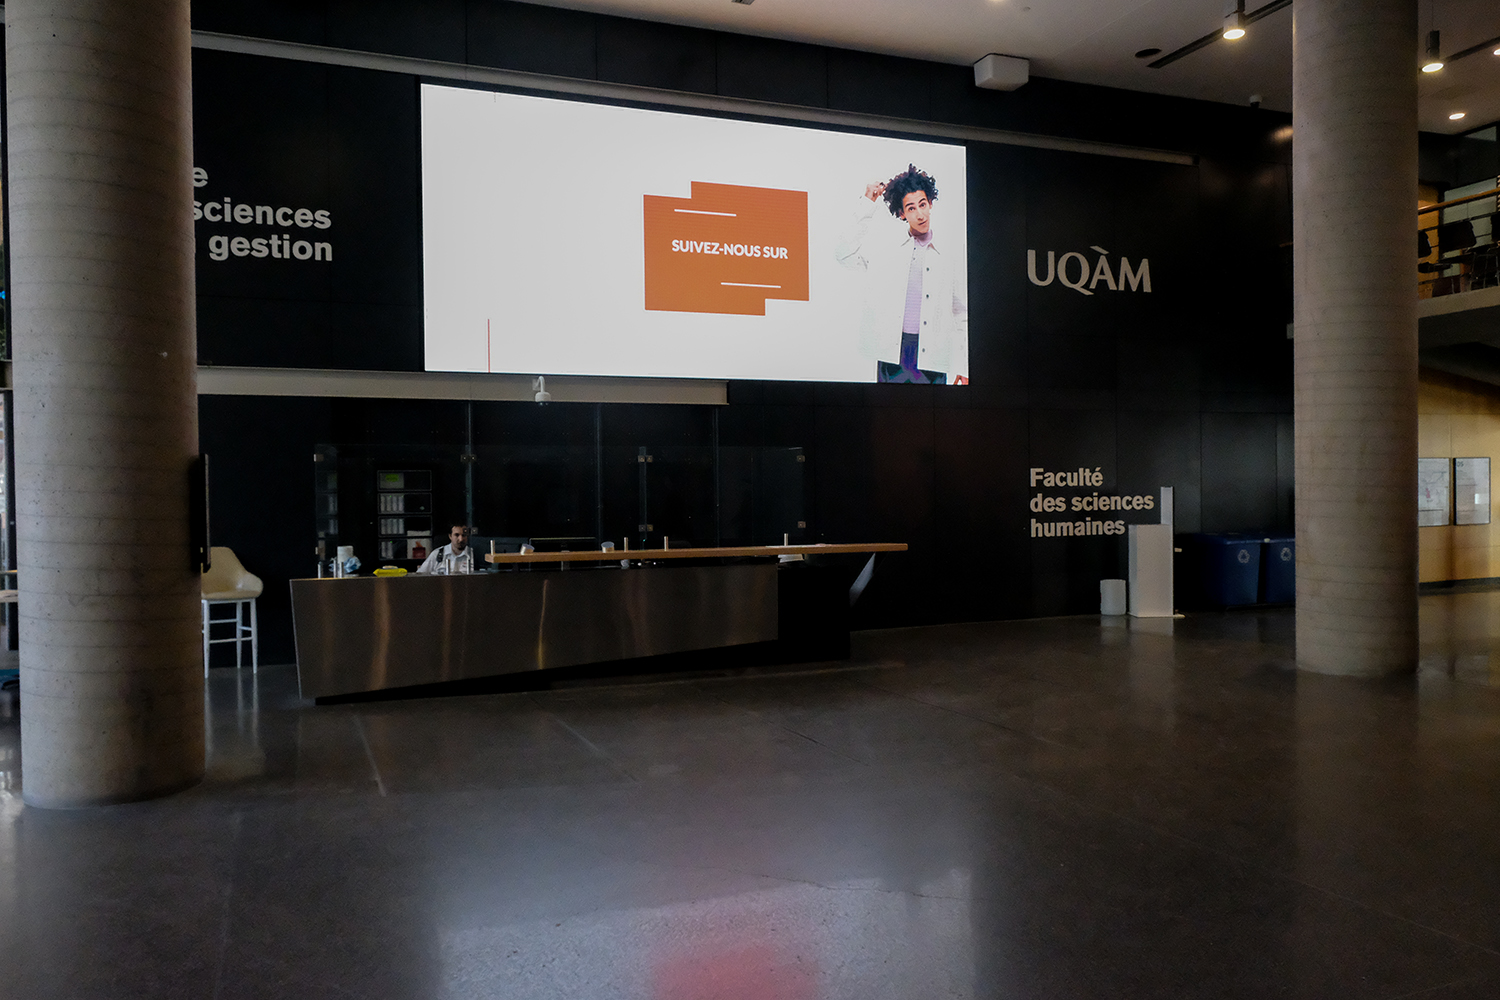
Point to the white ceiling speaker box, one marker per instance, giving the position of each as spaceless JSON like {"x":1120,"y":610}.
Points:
{"x":997,"y":72}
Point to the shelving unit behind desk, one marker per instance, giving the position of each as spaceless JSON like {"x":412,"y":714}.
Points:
{"x":741,"y":604}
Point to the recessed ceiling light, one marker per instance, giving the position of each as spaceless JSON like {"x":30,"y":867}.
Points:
{"x":1455,"y":116}
{"x":1148,"y":53}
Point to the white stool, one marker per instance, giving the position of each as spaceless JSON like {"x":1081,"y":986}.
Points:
{"x":243,"y":632}
{"x":228,"y":582}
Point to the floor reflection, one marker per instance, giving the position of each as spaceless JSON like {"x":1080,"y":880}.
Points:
{"x":1461,"y":635}
{"x":791,"y":942}
{"x":1070,"y":807}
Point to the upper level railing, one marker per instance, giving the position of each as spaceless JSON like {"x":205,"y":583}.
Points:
{"x":1457,"y":246}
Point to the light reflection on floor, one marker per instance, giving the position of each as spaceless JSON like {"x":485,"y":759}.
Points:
{"x":791,"y":942}
{"x":1061,"y":808}
{"x":1461,"y":635}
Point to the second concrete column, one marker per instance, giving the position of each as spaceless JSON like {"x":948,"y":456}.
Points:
{"x":1354,"y":107}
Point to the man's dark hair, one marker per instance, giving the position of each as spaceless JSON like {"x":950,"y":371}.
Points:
{"x":909,"y":180}
{"x":457,"y":524}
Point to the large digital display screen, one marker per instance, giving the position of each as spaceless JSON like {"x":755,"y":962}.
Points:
{"x":569,"y":238}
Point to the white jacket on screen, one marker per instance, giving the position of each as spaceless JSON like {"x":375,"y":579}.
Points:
{"x":883,"y":253}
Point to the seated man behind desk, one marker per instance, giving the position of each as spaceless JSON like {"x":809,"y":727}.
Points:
{"x":455,"y":557}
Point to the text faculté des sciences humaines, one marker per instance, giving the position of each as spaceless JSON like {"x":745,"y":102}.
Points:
{"x":1087,"y":504}
{"x":279,"y":246}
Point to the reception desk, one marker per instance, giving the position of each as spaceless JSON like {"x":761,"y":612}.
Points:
{"x":364,"y":634}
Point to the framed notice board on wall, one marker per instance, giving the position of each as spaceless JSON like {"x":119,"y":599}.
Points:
{"x":1434,"y":491}
{"x":1471,"y":491}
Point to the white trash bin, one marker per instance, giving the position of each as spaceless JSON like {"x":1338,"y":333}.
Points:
{"x":1112,"y":597}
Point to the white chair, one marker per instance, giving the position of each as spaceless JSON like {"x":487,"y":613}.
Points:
{"x":229,"y":582}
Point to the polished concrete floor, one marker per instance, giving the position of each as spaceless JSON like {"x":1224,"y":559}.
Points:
{"x":1066,"y":808}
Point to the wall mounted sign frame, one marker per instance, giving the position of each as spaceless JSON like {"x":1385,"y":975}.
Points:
{"x":1434,"y":492}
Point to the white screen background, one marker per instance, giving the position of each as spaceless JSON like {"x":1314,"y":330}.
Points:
{"x":533,"y":237}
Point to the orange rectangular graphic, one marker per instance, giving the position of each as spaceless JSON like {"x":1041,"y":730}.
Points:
{"x":726,"y":249}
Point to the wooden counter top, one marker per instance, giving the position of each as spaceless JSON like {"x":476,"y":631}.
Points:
{"x":731,"y":551}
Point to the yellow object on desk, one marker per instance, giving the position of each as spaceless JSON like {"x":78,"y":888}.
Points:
{"x":390,"y":571}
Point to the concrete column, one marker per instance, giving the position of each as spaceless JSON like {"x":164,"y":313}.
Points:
{"x":1354,"y":182}
{"x":100,"y":155}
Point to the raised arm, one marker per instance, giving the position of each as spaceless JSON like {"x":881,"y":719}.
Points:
{"x":852,"y":239}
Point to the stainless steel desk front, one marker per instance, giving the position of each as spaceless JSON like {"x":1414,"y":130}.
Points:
{"x":372,"y":633}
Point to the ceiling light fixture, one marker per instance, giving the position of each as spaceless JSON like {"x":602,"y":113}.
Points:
{"x":1455,"y":116}
{"x":1487,"y":45}
{"x":1218,"y":34}
{"x":1234,"y":24}
{"x":1434,"y":48}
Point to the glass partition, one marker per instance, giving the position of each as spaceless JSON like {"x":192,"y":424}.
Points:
{"x":529,"y":491}
{"x":564,"y":496}
{"x":326,"y":500}
{"x":764,"y":500}
{"x":1457,"y":245}
{"x":675,"y":496}
{"x":384,"y":500}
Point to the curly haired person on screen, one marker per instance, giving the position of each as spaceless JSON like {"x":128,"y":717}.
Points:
{"x":916,"y":318}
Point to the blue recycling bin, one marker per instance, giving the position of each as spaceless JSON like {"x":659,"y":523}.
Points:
{"x":1278,"y":572}
{"x":1229,"y":567}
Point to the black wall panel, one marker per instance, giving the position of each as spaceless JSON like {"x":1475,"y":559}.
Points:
{"x":1188,"y":385}
{"x":282,"y":20}
{"x":1164,"y":448}
{"x":260,"y":453}
{"x":665,"y":56}
{"x":1451,"y":160}
{"x":532,"y":39}
{"x":538,"y":39}
{"x":433,"y":29}
{"x":768,"y":69}
{"x":1246,"y":217}
{"x":1286,"y":461}
{"x":1065,"y":572}
{"x":277,"y":134}
{"x":1082,"y":335}
{"x":1239,"y":471}
{"x":373,"y":174}
{"x":879,"y":85}
{"x":997,"y":287}
{"x":979,"y":505}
